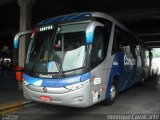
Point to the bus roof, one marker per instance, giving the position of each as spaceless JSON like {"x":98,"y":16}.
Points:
{"x":65,"y":18}
{"x":81,"y":16}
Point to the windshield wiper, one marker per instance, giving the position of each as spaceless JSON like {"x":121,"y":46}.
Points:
{"x":58,"y":62}
{"x":60,"y":69}
{"x":56,"y":58}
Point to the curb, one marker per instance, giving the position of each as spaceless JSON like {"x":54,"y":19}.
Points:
{"x":26,"y":102}
{"x":9,"y":107}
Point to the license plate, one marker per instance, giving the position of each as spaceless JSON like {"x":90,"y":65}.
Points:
{"x":45,"y":98}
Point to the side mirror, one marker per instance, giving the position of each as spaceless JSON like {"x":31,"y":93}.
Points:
{"x":18,"y":35}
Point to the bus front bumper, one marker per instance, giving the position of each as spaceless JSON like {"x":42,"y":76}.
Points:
{"x":59,"y":96}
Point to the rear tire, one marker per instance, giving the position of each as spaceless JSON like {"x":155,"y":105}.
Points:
{"x":113,"y":94}
{"x":141,"y":82}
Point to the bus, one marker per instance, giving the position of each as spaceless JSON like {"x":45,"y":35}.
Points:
{"x":81,"y":59}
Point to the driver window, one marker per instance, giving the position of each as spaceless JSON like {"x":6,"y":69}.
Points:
{"x":100,"y":45}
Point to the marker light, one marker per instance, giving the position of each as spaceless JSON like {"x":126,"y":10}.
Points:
{"x":25,"y":82}
{"x":34,"y":32}
{"x":46,"y":28}
{"x":78,"y":85}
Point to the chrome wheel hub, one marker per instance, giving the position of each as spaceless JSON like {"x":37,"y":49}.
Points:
{"x":113,"y":92}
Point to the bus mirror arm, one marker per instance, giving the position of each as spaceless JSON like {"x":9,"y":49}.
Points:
{"x":18,"y":35}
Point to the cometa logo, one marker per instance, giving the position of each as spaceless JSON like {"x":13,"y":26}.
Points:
{"x":128,"y":61}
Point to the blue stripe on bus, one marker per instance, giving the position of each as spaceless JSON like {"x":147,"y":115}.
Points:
{"x":81,"y":15}
{"x":125,"y":80}
{"x":89,"y":37}
{"x":65,"y":18}
{"x":53,"y":20}
{"x":56,"y":82}
{"x":115,"y":70}
{"x":85,"y":77}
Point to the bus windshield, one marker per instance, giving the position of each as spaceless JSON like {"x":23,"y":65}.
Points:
{"x":59,"y":50}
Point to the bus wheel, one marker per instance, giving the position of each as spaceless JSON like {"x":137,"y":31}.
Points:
{"x":142,"y":79}
{"x":113,"y":94}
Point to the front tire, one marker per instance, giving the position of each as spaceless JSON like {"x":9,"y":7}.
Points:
{"x":113,"y":94}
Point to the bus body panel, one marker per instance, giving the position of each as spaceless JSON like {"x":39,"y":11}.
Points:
{"x":99,"y":83}
{"x":76,"y":98}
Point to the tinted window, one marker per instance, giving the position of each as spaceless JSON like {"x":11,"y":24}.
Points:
{"x":100,"y":45}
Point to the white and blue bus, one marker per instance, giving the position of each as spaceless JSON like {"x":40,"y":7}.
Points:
{"x":81,"y":59}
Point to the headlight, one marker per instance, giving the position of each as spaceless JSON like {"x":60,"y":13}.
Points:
{"x":78,"y":85}
{"x":25,"y":82}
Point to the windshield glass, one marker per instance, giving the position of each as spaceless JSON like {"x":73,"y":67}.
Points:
{"x":59,"y":51}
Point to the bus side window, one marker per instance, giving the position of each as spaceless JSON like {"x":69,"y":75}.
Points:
{"x":100,"y":45}
{"x":132,"y":44}
{"x":117,"y":41}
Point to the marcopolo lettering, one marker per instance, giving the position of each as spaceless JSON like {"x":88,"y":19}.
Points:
{"x":45,"y":76}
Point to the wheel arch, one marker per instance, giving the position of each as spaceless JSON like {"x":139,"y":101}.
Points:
{"x":115,"y":78}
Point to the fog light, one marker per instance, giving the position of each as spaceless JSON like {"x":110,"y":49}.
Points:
{"x":80,"y":99}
